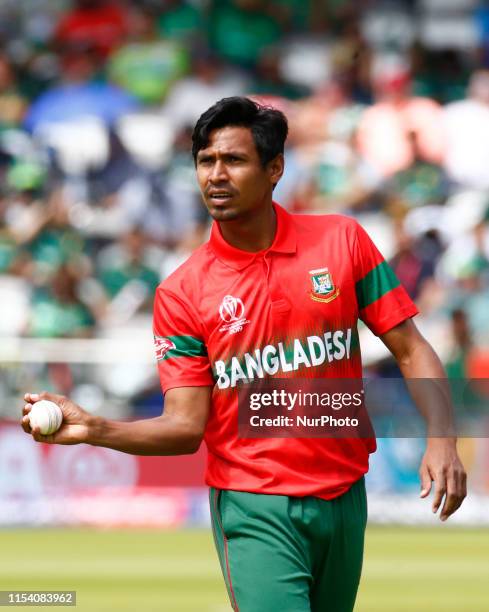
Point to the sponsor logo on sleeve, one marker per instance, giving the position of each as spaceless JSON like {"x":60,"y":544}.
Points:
{"x":162,"y":346}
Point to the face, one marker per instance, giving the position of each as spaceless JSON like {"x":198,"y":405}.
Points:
{"x":233,"y":182}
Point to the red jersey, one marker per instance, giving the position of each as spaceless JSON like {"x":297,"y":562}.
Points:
{"x":226,"y":315}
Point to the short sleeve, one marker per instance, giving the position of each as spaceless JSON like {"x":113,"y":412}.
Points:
{"x":382,"y":301}
{"x":181,"y":353}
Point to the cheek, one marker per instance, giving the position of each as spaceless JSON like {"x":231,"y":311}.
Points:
{"x":201,"y":179}
{"x":252,"y":184}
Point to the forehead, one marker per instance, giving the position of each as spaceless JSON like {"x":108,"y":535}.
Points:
{"x":231,"y":138}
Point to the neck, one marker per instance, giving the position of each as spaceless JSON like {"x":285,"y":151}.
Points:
{"x":254,"y":233}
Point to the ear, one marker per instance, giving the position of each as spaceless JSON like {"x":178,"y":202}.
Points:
{"x":275,"y":169}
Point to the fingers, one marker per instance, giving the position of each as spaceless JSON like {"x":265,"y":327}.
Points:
{"x":38,"y":437}
{"x":26,"y":425}
{"x":443,"y":464}
{"x":30,"y":399}
{"x":426,"y":481}
{"x":53,"y":397}
{"x":456,"y":493}
{"x":45,"y":395}
{"x":25,"y":422}
{"x":464,"y":483}
{"x":440,"y":490}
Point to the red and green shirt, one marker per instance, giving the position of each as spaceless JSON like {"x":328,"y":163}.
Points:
{"x":228,"y":316}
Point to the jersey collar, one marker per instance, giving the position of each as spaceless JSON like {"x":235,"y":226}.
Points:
{"x":285,"y":241}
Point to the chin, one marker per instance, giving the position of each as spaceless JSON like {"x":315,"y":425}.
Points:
{"x":223,"y":214}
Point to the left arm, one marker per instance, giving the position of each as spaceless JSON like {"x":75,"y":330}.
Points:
{"x":441,"y":463}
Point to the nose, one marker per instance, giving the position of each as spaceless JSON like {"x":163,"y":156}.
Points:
{"x":218,"y":173}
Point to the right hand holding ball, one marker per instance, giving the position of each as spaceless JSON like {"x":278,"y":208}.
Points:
{"x":56,"y":419}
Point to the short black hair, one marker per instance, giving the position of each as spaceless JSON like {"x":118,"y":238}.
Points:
{"x":268,"y":125}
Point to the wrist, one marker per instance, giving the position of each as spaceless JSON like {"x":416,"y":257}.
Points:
{"x":95,"y":428}
{"x":437,"y":441}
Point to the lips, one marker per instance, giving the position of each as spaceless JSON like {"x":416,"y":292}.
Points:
{"x":220,"y":194}
{"x":219,"y":197}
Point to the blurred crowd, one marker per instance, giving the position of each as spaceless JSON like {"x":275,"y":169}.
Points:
{"x":388,"y":106}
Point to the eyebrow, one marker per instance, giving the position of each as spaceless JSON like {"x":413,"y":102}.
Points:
{"x":206,"y":155}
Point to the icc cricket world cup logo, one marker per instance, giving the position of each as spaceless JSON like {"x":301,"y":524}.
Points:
{"x":231,"y":312}
{"x":231,"y":309}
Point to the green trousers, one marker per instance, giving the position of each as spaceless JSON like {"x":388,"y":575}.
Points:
{"x":290,"y":554}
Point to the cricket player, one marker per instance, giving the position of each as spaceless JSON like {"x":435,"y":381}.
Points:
{"x":288,"y":514}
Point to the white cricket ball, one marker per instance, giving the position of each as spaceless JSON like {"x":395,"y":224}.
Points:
{"x":47,"y":416}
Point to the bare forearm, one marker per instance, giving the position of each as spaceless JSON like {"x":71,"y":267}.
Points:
{"x":427,"y":382}
{"x":428,"y":385}
{"x":422,"y":362}
{"x":178,"y":431}
{"x":159,"y":436}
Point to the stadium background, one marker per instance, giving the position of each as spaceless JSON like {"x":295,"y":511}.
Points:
{"x":388,"y":104}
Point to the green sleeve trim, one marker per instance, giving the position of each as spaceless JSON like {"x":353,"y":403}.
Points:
{"x":184,"y":346}
{"x":376,"y":283}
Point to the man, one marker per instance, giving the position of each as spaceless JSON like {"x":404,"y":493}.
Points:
{"x":288,"y":514}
